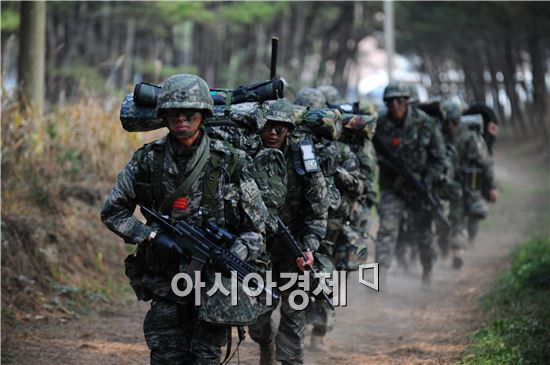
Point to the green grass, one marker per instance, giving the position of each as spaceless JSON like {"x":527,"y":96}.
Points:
{"x":518,"y":311}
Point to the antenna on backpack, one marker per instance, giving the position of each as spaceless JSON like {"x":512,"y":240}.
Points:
{"x":274,"y":46}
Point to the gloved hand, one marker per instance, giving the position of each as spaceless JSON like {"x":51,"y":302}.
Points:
{"x":167,"y":252}
{"x":165,"y":246}
{"x":219,"y":263}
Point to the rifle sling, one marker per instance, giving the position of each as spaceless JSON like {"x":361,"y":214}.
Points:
{"x":189,"y":180}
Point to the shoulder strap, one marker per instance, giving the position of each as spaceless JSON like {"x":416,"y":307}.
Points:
{"x":158,"y":167}
{"x":189,"y":180}
{"x":234,"y":158}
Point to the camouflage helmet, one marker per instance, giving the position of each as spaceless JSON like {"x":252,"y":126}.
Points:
{"x":396,"y":89}
{"x":282,"y":111}
{"x":452,"y":112}
{"x":331,"y":94}
{"x":185,"y":91}
{"x":310,"y":97}
{"x":413,"y":94}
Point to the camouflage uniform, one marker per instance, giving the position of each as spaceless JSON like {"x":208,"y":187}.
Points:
{"x":361,"y":145}
{"x":305,"y":214}
{"x":341,"y":170}
{"x":450,"y":189}
{"x":172,"y":327}
{"x":477,"y":168}
{"x":349,"y":226}
{"x":418,"y":142}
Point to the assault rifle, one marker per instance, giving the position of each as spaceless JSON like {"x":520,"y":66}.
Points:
{"x":394,"y":163}
{"x":205,"y":245}
{"x":296,"y":252}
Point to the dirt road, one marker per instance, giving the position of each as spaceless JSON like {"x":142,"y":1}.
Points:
{"x":404,"y":325}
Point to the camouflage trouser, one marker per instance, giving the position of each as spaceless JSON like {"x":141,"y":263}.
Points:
{"x":318,"y":312}
{"x":453,"y":237}
{"x":360,"y":214}
{"x":175,"y":335}
{"x":391,"y":209}
{"x":289,"y":339}
{"x":404,"y":243}
{"x":320,"y":316}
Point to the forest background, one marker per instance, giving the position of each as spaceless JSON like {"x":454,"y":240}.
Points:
{"x":60,"y":160}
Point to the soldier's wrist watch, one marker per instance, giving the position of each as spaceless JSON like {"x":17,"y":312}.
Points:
{"x":151,"y":236}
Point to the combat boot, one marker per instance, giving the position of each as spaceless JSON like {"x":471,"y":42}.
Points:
{"x":427,"y":277}
{"x":403,"y":264}
{"x":317,"y":343}
{"x":457,"y":259}
{"x":267,"y":353}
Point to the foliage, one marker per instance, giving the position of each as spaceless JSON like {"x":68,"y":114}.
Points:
{"x":73,"y":143}
{"x":9,"y":19}
{"x":261,"y":12}
{"x":82,"y":76}
{"x":481,"y":46}
{"x":56,"y":172}
{"x":519,"y":327}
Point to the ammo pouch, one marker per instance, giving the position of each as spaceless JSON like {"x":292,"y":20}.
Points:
{"x":473,"y":177}
{"x":134,"y":268}
{"x":217,"y":308}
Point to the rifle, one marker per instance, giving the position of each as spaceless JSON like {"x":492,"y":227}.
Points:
{"x":394,"y":163}
{"x":296,"y":251}
{"x":203,"y":245}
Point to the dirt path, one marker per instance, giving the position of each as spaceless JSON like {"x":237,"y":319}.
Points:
{"x":404,"y":325}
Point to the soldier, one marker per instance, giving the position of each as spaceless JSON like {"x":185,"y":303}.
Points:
{"x":332,"y":96}
{"x":490,"y":123}
{"x":341,"y":170}
{"x":305,"y":214}
{"x":415,"y":139}
{"x":185,"y":175}
{"x":477,"y":168}
{"x":450,"y":188}
{"x":361,"y":145}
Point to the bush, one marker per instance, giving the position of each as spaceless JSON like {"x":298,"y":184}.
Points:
{"x":56,"y":172}
{"x":518,"y":309}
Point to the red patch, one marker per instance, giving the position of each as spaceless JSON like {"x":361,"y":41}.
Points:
{"x":396,"y":142}
{"x":181,"y":203}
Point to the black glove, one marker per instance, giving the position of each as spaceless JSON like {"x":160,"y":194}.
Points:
{"x":167,"y":251}
{"x":219,"y":263}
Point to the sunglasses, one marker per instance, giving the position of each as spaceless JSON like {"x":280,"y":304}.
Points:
{"x":398,"y":101}
{"x":175,"y":113}
{"x":279,"y":129}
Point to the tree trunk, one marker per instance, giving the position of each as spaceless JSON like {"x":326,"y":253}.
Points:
{"x":491,"y":55}
{"x":32,"y":55}
{"x":129,"y":52}
{"x":510,"y":83}
{"x":539,"y":85}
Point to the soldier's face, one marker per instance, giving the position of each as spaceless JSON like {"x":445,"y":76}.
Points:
{"x":451,"y":128}
{"x":397,"y":108}
{"x":184,"y":123}
{"x":274,"y":134}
